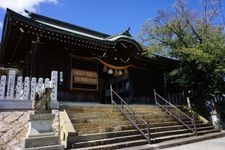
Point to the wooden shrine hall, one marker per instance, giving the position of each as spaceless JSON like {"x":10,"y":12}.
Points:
{"x":87,"y":61}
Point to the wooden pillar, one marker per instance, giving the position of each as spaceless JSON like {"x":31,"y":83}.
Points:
{"x":34,"y":60}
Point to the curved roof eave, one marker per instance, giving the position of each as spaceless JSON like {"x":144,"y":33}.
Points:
{"x":126,"y":39}
{"x":76,"y":31}
{"x":113,"y":39}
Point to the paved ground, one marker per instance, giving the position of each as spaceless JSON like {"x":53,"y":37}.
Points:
{"x":214,"y":144}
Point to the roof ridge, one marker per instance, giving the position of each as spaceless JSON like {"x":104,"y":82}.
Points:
{"x":71,"y":26}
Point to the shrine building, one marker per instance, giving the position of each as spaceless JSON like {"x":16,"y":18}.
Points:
{"x":87,"y":61}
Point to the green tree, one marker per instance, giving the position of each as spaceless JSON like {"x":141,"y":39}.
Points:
{"x":196,"y":40}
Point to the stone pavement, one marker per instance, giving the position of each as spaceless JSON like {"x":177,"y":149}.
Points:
{"x":214,"y":144}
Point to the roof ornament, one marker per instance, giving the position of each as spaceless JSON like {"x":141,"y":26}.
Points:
{"x":126,"y":32}
{"x":128,"y":29}
{"x":28,"y":12}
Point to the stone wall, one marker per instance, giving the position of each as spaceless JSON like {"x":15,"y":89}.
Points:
{"x":14,"y":125}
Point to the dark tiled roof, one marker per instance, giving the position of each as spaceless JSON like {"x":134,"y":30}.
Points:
{"x":53,"y":29}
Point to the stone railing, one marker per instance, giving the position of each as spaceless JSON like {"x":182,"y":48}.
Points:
{"x":19,"y":92}
{"x":67,"y":130}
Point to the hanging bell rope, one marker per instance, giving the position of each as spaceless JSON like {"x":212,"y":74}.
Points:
{"x":104,"y":68}
{"x":116,"y":73}
{"x":126,"y":72}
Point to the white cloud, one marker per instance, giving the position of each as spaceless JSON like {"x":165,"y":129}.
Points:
{"x":20,"y":5}
{"x":1,"y":25}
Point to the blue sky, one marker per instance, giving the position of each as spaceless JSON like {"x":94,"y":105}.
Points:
{"x":107,"y":16}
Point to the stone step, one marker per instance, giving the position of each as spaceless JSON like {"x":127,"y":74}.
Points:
{"x":116,"y":145}
{"x":166,"y":128}
{"x":41,"y":141}
{"x":95,"y":119}
{"x":105,"y":120}
{"x":111,"y":123}
{"x":156,"y":108}
{"x":89,"y":120}
{"x":175,"y":127}
{"x":97,"y":130}
{"x":92,"y":110}
{"x":207,"y":131}
{"x":182,"y":135}
{"x":170,"y":137}
{"x":169,"y":123}
{"x":109,"y":127}
{"x":116,"y":119}
{"x":147,"y":108}
{"x":130,"y":127}
{"x":107,"y":141}
{"x":88,"y":128}
{"x":170,"y":132}
{"x":43,"y":134}
{"x":180,"y":131}
{"x":155,"y":115}
{"x":151,"y":116}
{"x":159,"y":128}
{"x":157,"y":119}
{"x":141,"y":147}
{"x":95,"y":115}
{"x":97,"y":136}
{"x":152,"y":112}
{"x":153,"y":125}
{"x":51,"y":147}
{"x":205,"y":128}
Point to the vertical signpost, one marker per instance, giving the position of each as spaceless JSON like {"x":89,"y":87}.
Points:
{"x":33,"y":88}
{"x":19,"y":87}
{"x":2,"y":87}
{"x":11,"y":83}
{"x":26,"y":91}
{"x":54,"y":82}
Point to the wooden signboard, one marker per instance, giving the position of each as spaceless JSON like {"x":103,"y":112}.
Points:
{"x":84,"y":80}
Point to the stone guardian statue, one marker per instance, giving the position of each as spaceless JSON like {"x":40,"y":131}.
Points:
{"x":41,"y":103}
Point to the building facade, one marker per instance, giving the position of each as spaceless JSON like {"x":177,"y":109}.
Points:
{"x":87,"y":61}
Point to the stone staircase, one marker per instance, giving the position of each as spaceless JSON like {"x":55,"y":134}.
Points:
{"x":104,"y":127}
{"x":164,"y":127}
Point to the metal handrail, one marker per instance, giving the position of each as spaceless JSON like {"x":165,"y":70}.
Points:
{"x":128,"y":112}
{"x":194,"y":130}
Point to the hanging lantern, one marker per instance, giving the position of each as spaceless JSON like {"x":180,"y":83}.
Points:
{"x":126,"y":72}
{"x":104,"y":69}
{"x":110,"y":71}
{"x":120,"y":72}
